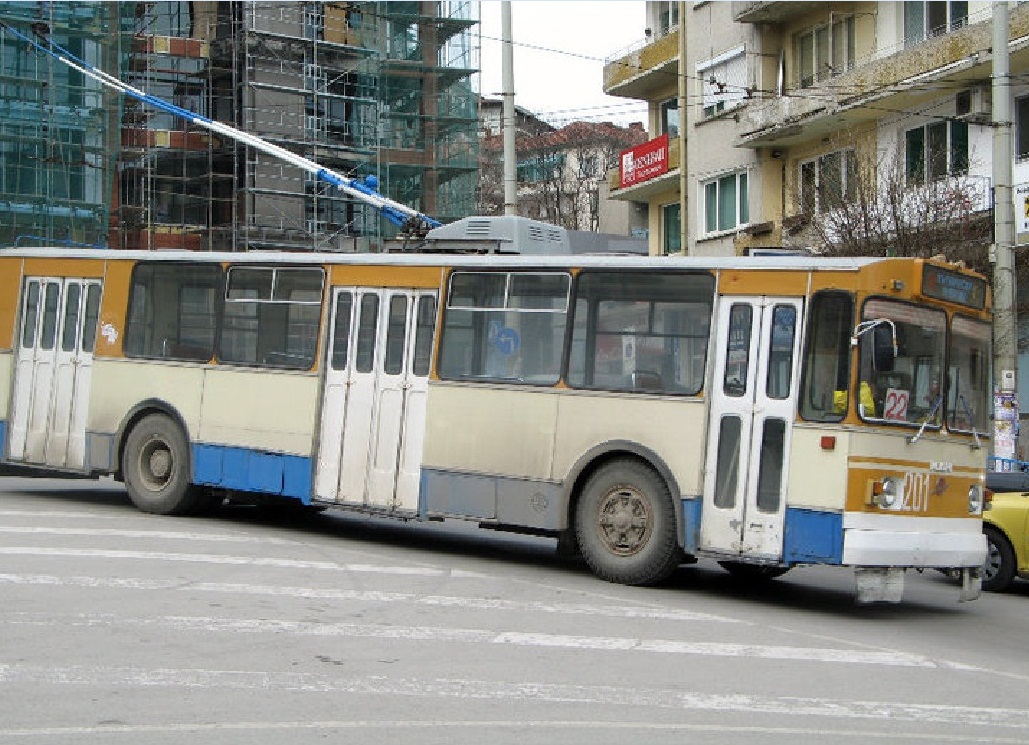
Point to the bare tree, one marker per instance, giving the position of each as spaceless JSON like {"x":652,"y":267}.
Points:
{"x":559,"y":172}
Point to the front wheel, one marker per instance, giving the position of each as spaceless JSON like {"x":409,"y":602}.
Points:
{"x":999,"y":569}
{"x":625,"y":525}
{"x":155,"y":464}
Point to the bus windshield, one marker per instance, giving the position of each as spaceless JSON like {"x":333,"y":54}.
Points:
{"x":906,"y":388}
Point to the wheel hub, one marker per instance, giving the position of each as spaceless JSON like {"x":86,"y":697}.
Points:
{"x":625,"y":521}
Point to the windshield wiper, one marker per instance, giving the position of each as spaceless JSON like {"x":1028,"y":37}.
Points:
{"x":971,"y":420}
{"x":928,"y":417}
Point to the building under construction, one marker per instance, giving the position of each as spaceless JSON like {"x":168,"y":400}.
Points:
{"x":381,"y":89}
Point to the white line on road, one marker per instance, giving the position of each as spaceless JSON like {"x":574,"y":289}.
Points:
{"x":206,"y":624}
{"x":235,"y":560}
{"x":448,"y":601}
{"x":608,"y":696}
{"x":171,"y":535}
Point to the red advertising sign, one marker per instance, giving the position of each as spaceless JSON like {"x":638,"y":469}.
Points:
{"x":644,"y":162}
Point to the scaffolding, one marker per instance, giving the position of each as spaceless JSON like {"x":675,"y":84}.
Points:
{"x":363,"y":88}
{"x":59,"y":131}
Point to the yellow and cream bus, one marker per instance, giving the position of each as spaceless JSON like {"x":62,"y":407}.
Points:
{"x":762,"y":412}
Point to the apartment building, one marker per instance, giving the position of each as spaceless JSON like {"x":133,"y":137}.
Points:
{"x":364,"y":88}
{"x":776,"y":112}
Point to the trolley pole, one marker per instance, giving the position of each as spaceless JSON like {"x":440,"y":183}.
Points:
{"x":1005,"y":337}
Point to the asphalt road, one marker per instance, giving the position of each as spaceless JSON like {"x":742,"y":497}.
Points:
{"x":253,"y":627}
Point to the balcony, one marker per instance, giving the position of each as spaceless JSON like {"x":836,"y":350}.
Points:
{"x":643,"y":191}
{"x":648,"y":69}
{"x":767,"y":12}
{"x":893,"y":82}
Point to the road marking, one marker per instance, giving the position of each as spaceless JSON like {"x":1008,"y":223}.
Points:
{"x":495,"y":725}
{"x":447,"y":601}
{"x":498,"y":691}
{"x":486,"y":636}
{"x":236,"y":560}
{"x":170,"y":535}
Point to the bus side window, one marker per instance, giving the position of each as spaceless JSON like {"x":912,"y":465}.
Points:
{"x":173,"y":311}
{"x":645,"y":332}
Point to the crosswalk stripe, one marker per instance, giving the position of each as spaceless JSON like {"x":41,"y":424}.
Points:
{"x":485,"y":636}
{"x":637,"y":697}
{"x":448,"y":601}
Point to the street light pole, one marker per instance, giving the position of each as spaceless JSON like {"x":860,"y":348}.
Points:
{"x":1005,"y":338}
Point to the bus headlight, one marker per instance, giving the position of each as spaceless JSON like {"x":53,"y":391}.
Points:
{"x":975,"y":500}
{"x":884,"y":492}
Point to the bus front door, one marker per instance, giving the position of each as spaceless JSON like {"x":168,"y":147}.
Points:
{"x":373,"y":408}
{"x":753,"y":397}
{"x":53,"y":368}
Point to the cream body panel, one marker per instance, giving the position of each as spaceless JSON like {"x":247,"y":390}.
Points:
{"x":674,"y":428}
{"x":931,"y":447}
{"x":817,"y":478}
{"x":6,"y":381}
{"x":119,"y":384}
{"x":505,"y":431}
{"x":263,"y":410}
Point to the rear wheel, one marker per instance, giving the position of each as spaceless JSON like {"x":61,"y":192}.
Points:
{"x":999,"y":569}
{"x":155,"y":465}
{"x":625,"y":524}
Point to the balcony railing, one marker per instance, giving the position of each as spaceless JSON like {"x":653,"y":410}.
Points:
{"x":903,"y":75}
{"x":628,"y":75}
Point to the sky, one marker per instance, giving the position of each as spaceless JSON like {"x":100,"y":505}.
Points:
{"x":559,"y":52}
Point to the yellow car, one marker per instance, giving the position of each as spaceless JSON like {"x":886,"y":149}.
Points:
{"x":1006,"y":525}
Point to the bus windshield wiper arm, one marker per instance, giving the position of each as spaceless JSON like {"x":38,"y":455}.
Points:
{"x":971,"y":420}
{"x":928,"y":417}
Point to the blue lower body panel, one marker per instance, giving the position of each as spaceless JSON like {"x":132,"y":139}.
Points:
{"x":813,"y":537}
{"x":3,"y":437}
{"x":691,"y":511}
{"x":253,"y":470}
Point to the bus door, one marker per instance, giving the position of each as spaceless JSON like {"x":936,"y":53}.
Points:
{"x":753,"y":397}
{"x":373,"y":409}
{"x":52,"y":371}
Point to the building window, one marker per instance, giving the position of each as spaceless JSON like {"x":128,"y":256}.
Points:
{"x":544,"y":167}
{"x":924,"y":20}
{"x":827,"y":181}
{"x":936,"y":150}
{"x":671,"y":227}
{"x":825,"y":51}
{"x":669,"y":17}
{"x":1022,"y":127}
{"x":724,"y":81}
{"x":725,"y":203}
{"x":670,"y":117}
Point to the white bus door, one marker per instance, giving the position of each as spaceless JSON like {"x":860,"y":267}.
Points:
{"x":373,"y":412}
{"x":753,"y":397}
{"x":53,"y":370}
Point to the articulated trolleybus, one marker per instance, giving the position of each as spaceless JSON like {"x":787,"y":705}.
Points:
{"x":764,"y":412}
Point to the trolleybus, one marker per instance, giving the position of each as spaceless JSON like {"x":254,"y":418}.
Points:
{"x":763,"y":412}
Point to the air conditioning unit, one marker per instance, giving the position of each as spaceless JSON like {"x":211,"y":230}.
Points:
{"x":974,"y":105}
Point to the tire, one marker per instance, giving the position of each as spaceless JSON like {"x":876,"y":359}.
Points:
{"x":753,"y":572}
{"x":625,"y":524}
{"x":999,"y":569}
{"x":156,"y":468}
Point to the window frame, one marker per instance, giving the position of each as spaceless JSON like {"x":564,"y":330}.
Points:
{"x":926,"y":166}
{"x":812,"y":198}
{"x":718,"y":95}
{"x":741,"y":179}
{"x":822,"y":44}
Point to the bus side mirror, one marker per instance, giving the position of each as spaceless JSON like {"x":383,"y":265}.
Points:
{"x":883,"y":348}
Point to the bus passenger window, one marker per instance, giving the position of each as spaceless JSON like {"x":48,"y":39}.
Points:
{"x":271,"y":316}
{"x":505,"y":326}
{"x":173,"y":311}
{"x":645,"y":332}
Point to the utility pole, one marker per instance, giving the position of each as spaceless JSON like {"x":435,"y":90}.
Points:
{"x":1005,"y":337}
{"x":683,"y":161}
{"x":507,"y":73}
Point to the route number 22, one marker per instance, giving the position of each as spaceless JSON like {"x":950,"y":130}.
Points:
{"x":896,"y":405}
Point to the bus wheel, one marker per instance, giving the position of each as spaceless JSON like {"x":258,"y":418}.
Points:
{"x":625,"y":525}
{"x":156,"y":467}
{"x":999,"y":569}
